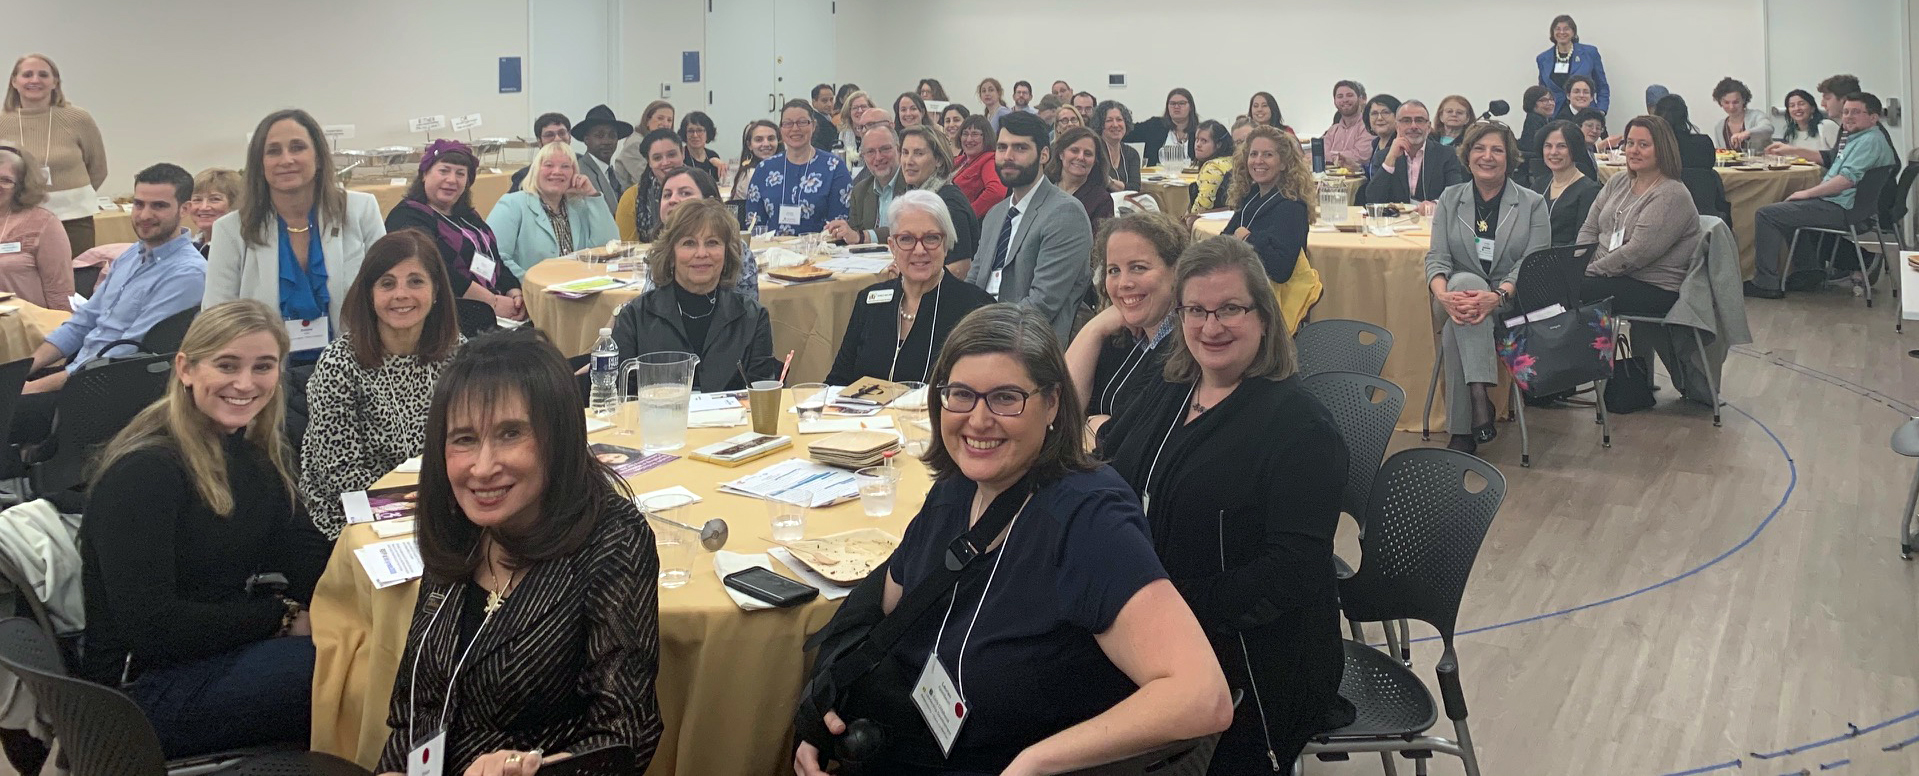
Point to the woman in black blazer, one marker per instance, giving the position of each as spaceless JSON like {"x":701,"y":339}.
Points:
{"x":693,"y":308}
{"x":1179,"y":124}
{"x":898,"y":327}
{"x":1570,"y":183}
{"x":537,"y":628}
{"x":1115,"y":125}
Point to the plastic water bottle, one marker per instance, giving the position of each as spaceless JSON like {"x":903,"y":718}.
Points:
{"x":604,"y":375}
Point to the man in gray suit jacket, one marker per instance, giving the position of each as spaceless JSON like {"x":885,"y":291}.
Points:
{"x":1036,"y":245}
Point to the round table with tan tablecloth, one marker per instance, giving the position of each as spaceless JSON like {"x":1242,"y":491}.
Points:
{"x":1379,"y":280}
{"x":728,"y":678}
{"x":1747,"y":191}
{"x":808,"y":318}
{"x":23,"y":328}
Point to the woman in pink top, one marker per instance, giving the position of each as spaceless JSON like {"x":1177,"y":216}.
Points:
{"x":975,"y":174}
{"x":36,"y":259}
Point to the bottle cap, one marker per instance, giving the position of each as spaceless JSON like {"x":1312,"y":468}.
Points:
{"x":606,"y":332}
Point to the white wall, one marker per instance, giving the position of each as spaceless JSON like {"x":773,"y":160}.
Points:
{"x":185,"y":81}
{"x":1809,"y":41}
{"x":1295,"y":50}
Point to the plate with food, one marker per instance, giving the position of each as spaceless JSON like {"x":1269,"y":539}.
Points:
{"x":845,"y":558}
{"x":804,"y":273}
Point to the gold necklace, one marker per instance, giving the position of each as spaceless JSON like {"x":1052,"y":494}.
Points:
{"x":497,"y":598}
{"x":301,"y":230}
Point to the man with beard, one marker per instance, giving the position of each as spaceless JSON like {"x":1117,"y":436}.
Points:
{"x":1416,"y":167}
{"x":1041,"y":239}
{"x":158,"y":276}
{"x":1347,"y":142}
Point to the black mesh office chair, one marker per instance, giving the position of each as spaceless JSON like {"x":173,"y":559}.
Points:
{"x":98,"y":401}
{"x":1340,"y":345}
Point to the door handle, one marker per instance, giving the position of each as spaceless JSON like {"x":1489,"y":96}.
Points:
{"x":771,"y":106}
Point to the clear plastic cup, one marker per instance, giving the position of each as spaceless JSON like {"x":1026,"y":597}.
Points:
{"x":677,"y":546}
{"x":788,"y":520}
{"x":878,"y":484}
{"x":809,"y":399}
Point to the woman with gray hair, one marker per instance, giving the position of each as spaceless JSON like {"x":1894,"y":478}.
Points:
{"x":1240,"y":473}
{"x":898,"y":327}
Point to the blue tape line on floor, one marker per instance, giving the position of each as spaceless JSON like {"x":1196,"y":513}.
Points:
{"x":1898,"y":745}
{"x":1852,"y":731}
{"x":1710,"y":768}
{"x":1835,"y":764}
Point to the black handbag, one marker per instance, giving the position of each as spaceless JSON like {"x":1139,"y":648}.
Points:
{"x":1630,"y":389}
{"x":860,"y":636}
{"x":1561,"y":352}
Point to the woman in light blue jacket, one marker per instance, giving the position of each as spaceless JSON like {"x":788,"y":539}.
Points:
{"x":555,"y":212}
{"x":1567,"y":58}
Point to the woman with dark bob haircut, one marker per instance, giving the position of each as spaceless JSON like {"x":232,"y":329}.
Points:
{"x":552,"y":643}
{"x":1066,"y":643}
{"x":367,"y":398}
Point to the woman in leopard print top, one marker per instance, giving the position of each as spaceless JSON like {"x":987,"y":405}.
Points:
{"x":369,"y":392}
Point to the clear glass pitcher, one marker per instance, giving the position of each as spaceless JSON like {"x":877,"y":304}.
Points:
{"x":663,"y":388}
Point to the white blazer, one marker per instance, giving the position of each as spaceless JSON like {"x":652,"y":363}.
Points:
{"x":238,"y":270}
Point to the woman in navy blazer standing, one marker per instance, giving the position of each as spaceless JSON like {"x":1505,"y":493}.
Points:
{"x":1567,"y":58}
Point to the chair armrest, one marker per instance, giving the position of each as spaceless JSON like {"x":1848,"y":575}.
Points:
{"x":1450,"y":691}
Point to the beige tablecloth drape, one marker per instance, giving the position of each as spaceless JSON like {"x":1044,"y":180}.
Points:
{"x":22,"y":330}
{"x":1747,"y":191}
{"x":728,"y":678}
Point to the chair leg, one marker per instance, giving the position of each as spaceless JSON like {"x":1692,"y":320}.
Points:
{"x":1785,"y":263}
{"x":1432,"y":388}
{"x":1865,"y":271}
{"x":1712,"y":385}
{"x":1605,"y":421}
{"x":1406,"y":642}
{"x":1386,"y":763}
{"x":1359,"y":631}
{"x":1905,"y":524}
{"x":1467,"y":755}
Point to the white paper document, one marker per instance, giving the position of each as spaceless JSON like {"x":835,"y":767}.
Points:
{"x":797,"y":481}
{"x":1537,"y":315}
{"x":865,"y":265}
{"x":701,"y":402}
{"x":836,"y":425}
{"x":390,"y":563}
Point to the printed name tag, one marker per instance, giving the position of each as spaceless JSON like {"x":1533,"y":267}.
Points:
{"x":1561,"y":67}
{"x":875,"y":296}
{"x":789,"y":215}
{"x":1486,"y":250}
{"x":483,"y":266}
{"x":992,"y":284}
{"x":1618,"y":238}
{"x":939,"y":704}
{"x":428,"y":758}
{"x":9,"y":247}
{"x":306,"y":335}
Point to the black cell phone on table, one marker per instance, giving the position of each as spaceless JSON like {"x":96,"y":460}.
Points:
{"x":771,"y":588}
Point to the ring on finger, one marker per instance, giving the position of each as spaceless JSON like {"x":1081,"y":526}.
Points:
{"x":513,"y":759}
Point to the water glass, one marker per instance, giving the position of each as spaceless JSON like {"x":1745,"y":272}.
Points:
{"x":877,"y":487}
{"x":910,"y":418}
{"x":809,"y":399}
{"x":788,"y":519}
{"x":677,"y":546}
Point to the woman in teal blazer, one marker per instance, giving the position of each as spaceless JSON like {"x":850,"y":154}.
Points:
{"x":555,"y":212}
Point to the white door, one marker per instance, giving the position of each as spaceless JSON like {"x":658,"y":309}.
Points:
{"x":806,"y":49}
{"x":740,"y":80}
{"x":573,"y":59}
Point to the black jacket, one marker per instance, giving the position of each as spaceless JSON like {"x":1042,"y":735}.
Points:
{"x":1155,"y":132}
{"x":1245,"y":502}
{"x":1440,"y":169}
{"x":739,"y":341}
{"x":965,"y":223}
{"x":868,"y":346}
{"x":1278,"y":227}
{"x":1569,"y":211}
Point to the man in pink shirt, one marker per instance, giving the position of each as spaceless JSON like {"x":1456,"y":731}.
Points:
{"x":1348,"y":143}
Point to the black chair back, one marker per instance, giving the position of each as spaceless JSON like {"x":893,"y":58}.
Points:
{"x":476,"y":317}
{"x":1865,"y":200}
{"x":1340,"y":345}
{"x":13,"y":377}
{"x":165,"y":337}
{"x":1424,"y":525}
{"x":1551,"y":276}
{"x":1893,"y":206}
{"x":1708,"y":192}
{"x":100,"y":730}
{"x":97,"y":402}
{"x":1366,"y":409}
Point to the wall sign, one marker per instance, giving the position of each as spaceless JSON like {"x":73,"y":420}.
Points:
{"x":509,"y":75}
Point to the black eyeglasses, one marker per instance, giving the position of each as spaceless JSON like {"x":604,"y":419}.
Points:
{"x":1227,"y":313}
{"x":1004,"y":402}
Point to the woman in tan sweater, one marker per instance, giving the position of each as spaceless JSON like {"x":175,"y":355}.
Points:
{"x":35,"y":260}
{"x":62,"y":138}
{"x":1646,"y":226}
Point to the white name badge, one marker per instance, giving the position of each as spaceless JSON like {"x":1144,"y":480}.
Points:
{"x":789,"y":215}
{"x":9,"y":247}
{"x":939,"y":704}
{"x":483,"y":266}
{"x":875,"y":296}
{"x":1561,"y":67}
{"x":429,"y":757}
{"x":1486,"y":250}
{"x":1618,"y":237}
{"x":306,"y":335}
{"x":992,"y":283}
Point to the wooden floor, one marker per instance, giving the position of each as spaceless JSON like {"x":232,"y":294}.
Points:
{"x":1811,"y":626}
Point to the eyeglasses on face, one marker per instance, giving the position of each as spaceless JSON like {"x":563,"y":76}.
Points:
{"x":1004,"y":402}
{"x":1226,"y":313}
{"x":796,"y":123}
{"x":907,"y":242}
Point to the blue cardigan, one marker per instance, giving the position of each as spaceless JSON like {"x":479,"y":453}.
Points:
{"x":526,"y":235}
{"x":1585,"y":61}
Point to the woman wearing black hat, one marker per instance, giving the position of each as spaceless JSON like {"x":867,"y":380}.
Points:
{"x":440,"y":203}
{"x":602,"y":134}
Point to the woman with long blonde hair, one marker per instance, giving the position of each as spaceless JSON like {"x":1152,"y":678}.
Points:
{"x":196,"y":562}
